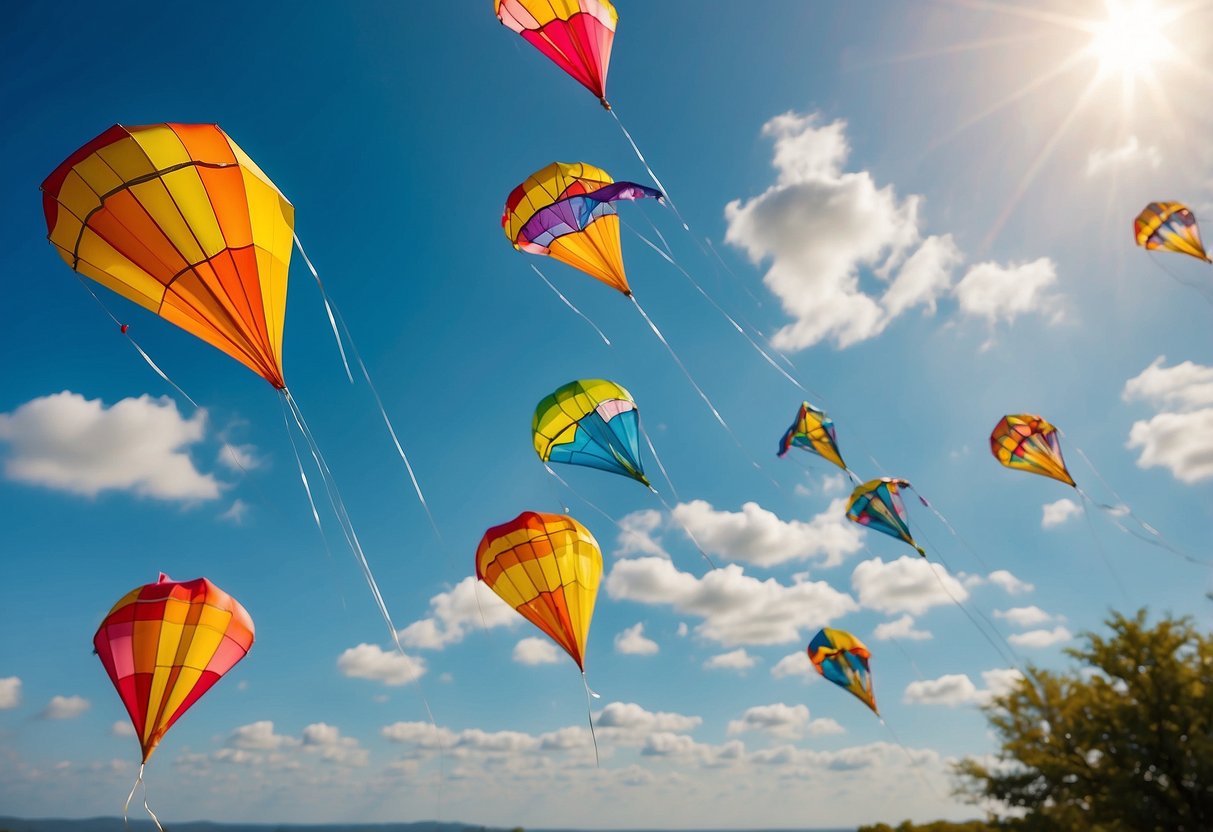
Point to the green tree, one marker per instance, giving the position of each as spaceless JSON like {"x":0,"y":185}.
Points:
{"x":1122,"y":743}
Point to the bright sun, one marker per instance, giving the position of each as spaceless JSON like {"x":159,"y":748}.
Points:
{"x":1130,"y":42}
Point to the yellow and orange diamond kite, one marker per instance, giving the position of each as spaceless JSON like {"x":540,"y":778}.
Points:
{"x":178,"y":219}
{"x":1027,"y":442}
{"x":547,"y":567}
{"x":165,"y":644}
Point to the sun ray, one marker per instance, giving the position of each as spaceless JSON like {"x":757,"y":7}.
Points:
{"x":1004,"y":102}
{"x":1045,"y":153}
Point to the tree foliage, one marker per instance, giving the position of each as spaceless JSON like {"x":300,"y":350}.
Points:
{"x":1123,"y":743}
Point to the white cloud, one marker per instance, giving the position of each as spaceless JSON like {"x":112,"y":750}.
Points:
{"x":1179,"y":439}
{"x":638,"y":534}
{"x":532,"y":651}
{"x":1009,"y":583}
{"x":1185,"y":386}
{"x":1041,"y":638}
{"x":10,"y":692}
{"x":784,"y":721}
{"x":623,"y":720}
{"x":794,"y":664}
{"x":1056,"y":513}
{"x":756,"y":535}
{"x":632,"y":642}
{"x":69,"y":443}
{"x":243,"y":458}
{"x":998,"y":293}
{"x":926,"y":275}
{"x":236,"y":513}
{"x":369,"y":661}
{"x":820,"y":225}
{"x":1001,"y":681}
{"x":259,"y":736}
{"x":737,"y":659}
{"x":736,"y":609}
{"x":951,"y":690}
{"x":65,"y":707}
{"x":905,"y":585}
{"x":466,"y":607}
{"x":1180,"y":442}
{"x":122,"y":728}
{"x":686,"y":749}
{"x":326,"y":741}
{"x":1130,"y":154}
{"x":422,"y":734}
{"x":1024,"y":616}
{"x":778,"y":720}
{"x":900,"y":628}
{"x":958,"y":689}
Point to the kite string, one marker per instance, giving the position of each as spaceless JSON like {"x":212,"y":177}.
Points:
{"x":335,"y":317}
{"x":686,"y":530}
{"x":736,"y":326}
{"x":660,"y":465}
{"x":635,"y":149}
{"x":124,"y":329}
{"x":347,"y":528}
{"x":570,"y":305}
{"x":1156,"y":537}
{"x":1099,"y":547}
{"x":695,"y":384}
{"x":327,"y":306}
{"x":580,"y":496}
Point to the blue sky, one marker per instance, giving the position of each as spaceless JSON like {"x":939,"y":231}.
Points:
{"x":915,"y":203}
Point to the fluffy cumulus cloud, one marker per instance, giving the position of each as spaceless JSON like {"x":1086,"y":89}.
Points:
{"x":1131,"y":153}
{"x":65,"y":707}
{"x":1003,"y":293}
{"x":1041,"y":638}
{"x":638,"y":534}
{"x":626,"y":723}
{"x":738,"y":660}
{"x":758,"y":536}
{"x":1180,"y":436}
{"x":466,"y":607}
{"x":951,"y":690}
{"x":532,"y":651}
{"x":259,"y":744}
{"x":259,"y":736}
{"x":1056,"y":513}
{"x":900,"y":629}
{"x":1008,"y":583}
{"x":820,"y":225}
{"x":122,"y":728}
{"x":905,"y":585}
{"x":236,"y":513}
{"x":507,"y":751}
{"x":327,"y":742}
{"x":10,"y":692}
{"x":633,"y":642}
{"x":784,"y":721}
{"x":369,"y":661}
{"x":1024,"y":616}
{"x":794,"y":665}
{"x":735,"y":608}
{"x":67,"y":442}
{"x":958,"y":689}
